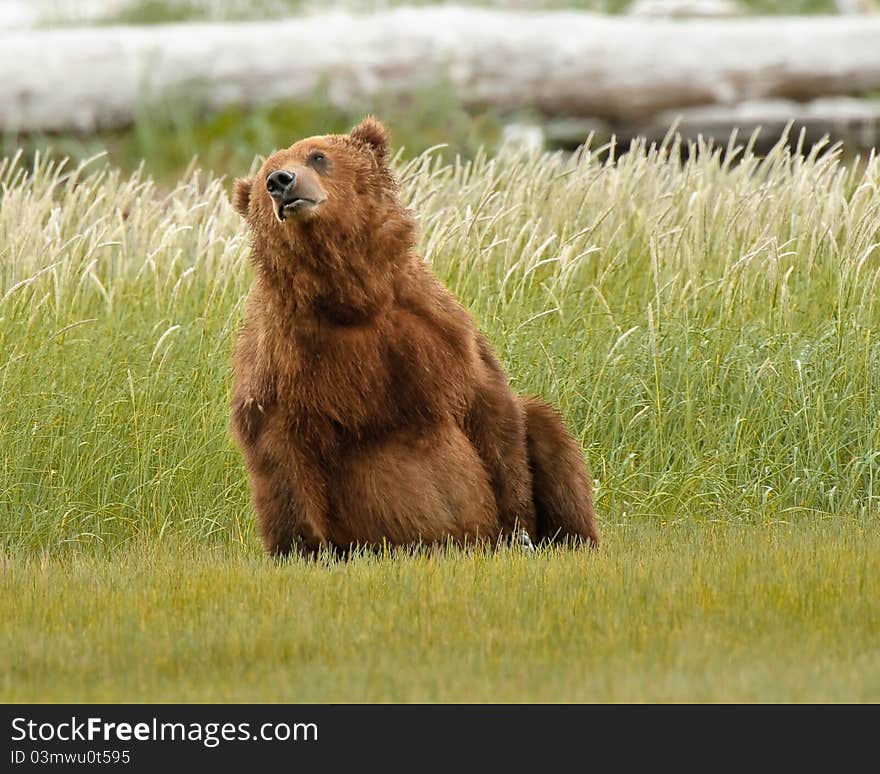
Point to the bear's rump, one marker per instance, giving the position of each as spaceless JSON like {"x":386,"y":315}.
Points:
{"x":427,"y":488}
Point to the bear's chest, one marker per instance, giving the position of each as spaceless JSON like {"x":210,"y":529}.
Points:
{"x":369,"y":379}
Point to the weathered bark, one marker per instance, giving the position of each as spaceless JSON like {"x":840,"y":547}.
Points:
{"x":561,"y":63}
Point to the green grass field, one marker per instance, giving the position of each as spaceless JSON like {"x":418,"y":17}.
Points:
{"x":163,"y":11}
{"x":662,"y":613}
{"x":709,"y":330}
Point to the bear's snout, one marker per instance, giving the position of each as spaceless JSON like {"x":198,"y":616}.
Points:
{"x":294,"y":190}
{"x":279,"y":183}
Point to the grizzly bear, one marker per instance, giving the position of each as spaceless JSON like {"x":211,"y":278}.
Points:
{"x":369,"y":409}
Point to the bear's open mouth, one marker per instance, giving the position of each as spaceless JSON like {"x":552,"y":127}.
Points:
{"x":286,"y":209}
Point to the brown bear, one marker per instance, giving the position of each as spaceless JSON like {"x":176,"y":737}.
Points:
{"x":369,"y":409}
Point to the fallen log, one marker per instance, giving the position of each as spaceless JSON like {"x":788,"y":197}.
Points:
{"x":854,"y":121}
{"x":559,"y":63}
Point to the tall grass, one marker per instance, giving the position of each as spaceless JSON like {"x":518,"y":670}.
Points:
{"x":708,"y":327}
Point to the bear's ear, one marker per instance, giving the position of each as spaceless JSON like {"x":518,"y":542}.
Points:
{"x":241,"y":195}
{"x":371,"y":133}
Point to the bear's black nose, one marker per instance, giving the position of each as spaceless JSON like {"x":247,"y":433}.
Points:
{"x":278,"y":182}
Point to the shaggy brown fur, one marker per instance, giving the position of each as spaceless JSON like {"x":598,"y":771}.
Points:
{"x":368,"y":407}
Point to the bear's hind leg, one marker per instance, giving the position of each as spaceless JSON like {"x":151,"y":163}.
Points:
{"x":495,"y":425}
{"x":560,"y":485}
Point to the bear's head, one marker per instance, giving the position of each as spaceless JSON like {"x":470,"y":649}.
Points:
{"x":324,"y":193}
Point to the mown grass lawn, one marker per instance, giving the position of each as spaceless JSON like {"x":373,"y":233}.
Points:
{"x":709,"y":330}
{"x":686,"y":612}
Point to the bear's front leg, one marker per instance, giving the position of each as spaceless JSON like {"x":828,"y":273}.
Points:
{"x":291,"y":516}
{"x":289,"y":497}
{"x":248,"y":416}
{"x":253,"y":390}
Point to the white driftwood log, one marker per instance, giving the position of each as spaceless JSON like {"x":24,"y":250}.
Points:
{"x":845,"y":118}
{"x":569,"y":63}
{"x":855,"y":121}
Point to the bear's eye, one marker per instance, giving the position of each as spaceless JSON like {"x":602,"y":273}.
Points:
{"x":317,"y":160}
